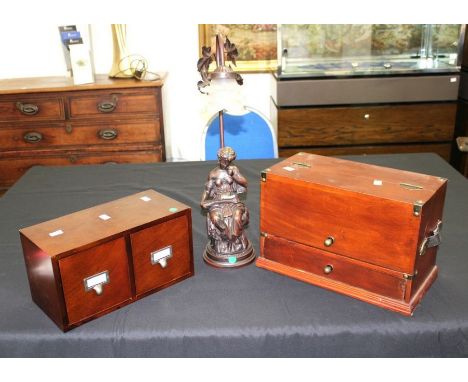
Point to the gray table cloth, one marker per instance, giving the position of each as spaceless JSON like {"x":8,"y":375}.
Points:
{"x":246,"y":312}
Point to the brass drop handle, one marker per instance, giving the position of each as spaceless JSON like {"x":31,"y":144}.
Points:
{"x":27,"y":108}
{"x":32,"y":137}
{"x":329,"y":241}
{"x":328,"y":269}
{"x":98,"y":289}
{"x":108,"y":134}
{"x":108,"y":106}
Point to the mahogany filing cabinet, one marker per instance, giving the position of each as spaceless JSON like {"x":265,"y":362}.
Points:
{"x":91,"y":262}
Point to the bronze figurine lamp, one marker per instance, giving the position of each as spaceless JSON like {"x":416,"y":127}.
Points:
{"x":226,"y":215}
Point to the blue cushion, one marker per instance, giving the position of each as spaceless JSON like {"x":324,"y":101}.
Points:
{"x":249,"y":135}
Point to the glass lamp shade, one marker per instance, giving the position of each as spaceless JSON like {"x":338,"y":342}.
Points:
{"x":225,"y":94}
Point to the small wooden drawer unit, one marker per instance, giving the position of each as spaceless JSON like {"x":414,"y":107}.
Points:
{"x":365,"y":231}
{"x":49,"y":117}
{"x":91,"y":262}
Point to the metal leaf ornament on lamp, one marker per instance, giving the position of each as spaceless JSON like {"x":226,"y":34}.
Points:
{"x":226,"y":215}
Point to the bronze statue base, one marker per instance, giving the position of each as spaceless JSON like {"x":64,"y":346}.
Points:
{"x":231,"y":260}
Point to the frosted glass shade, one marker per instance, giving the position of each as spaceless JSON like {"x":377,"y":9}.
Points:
{"x":225,"y":94}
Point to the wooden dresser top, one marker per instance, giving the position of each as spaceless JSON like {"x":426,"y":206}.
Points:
{"x":62,"y":84}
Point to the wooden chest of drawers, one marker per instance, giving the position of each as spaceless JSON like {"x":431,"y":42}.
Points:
{"x":91,"y":262}
{"x":49,"y":121}
{"x":365,"y":231}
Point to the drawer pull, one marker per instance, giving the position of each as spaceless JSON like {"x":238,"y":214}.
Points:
{"x":328,"y":269}
{"x":366,"y":116}
{"x":96,"y":282}
{"x":32,"y":137}
{"x":161,"y":256}
{"x":27,"y":108}
{"x":108,"y":134}
{"x":329,"y":241}
{"x":108,"y":106}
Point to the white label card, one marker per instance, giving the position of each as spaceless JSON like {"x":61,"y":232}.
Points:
{"x":377,"y":182}
{"x":145,"y":198}
{"x":56,"y":233}
{"x":164,"y":253}
{"x":287,"y":168}
{"x":104,"y":217}
{"x":101,"y":278}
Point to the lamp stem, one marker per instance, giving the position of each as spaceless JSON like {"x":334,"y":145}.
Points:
{"x":221,"y":128}
{"x":219,"y":51}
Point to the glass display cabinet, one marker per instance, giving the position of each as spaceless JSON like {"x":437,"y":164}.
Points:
{"x":311,"y":50}
{"x":366,"y":88}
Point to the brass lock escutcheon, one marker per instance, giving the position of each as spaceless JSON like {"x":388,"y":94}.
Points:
{"x":108,"y":106}
{"x":329,"y":241}
{"x":328,"y":269}
{"x":27,"y":108}
{"x":32,"y":137}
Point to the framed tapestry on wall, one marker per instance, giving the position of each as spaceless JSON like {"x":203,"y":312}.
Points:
{"x":256,"y":43}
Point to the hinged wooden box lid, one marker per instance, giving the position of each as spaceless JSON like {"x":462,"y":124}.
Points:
{"x":375,"y":214}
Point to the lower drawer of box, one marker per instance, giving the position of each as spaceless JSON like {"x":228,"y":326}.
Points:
{"x":334,"y":268}
{"x":376,"y":285}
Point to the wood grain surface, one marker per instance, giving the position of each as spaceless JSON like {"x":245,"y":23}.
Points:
{"x":173,"y":234}
{"x":81,"y":134}
{"x":336,"y":126}
{"x":109,"y":257}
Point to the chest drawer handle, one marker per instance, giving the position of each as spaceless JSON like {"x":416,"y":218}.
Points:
{"x":32,"y":137}
{"x":108,"y":134}
{"x":108,"y":106}
{"x":27,"y":108}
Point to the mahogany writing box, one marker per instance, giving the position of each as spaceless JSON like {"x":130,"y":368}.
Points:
{"x":83,"y":265}
{"x":366,"y":231}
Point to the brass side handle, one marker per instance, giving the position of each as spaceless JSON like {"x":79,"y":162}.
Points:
{"x":108,"y":106}
{"x":433,"y":240}
{"x":32,"y":137}
{"x":462,"y":143}
{"x":108,"y":134}
{"x":328,"y":269}
{"x":27,"y":108}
